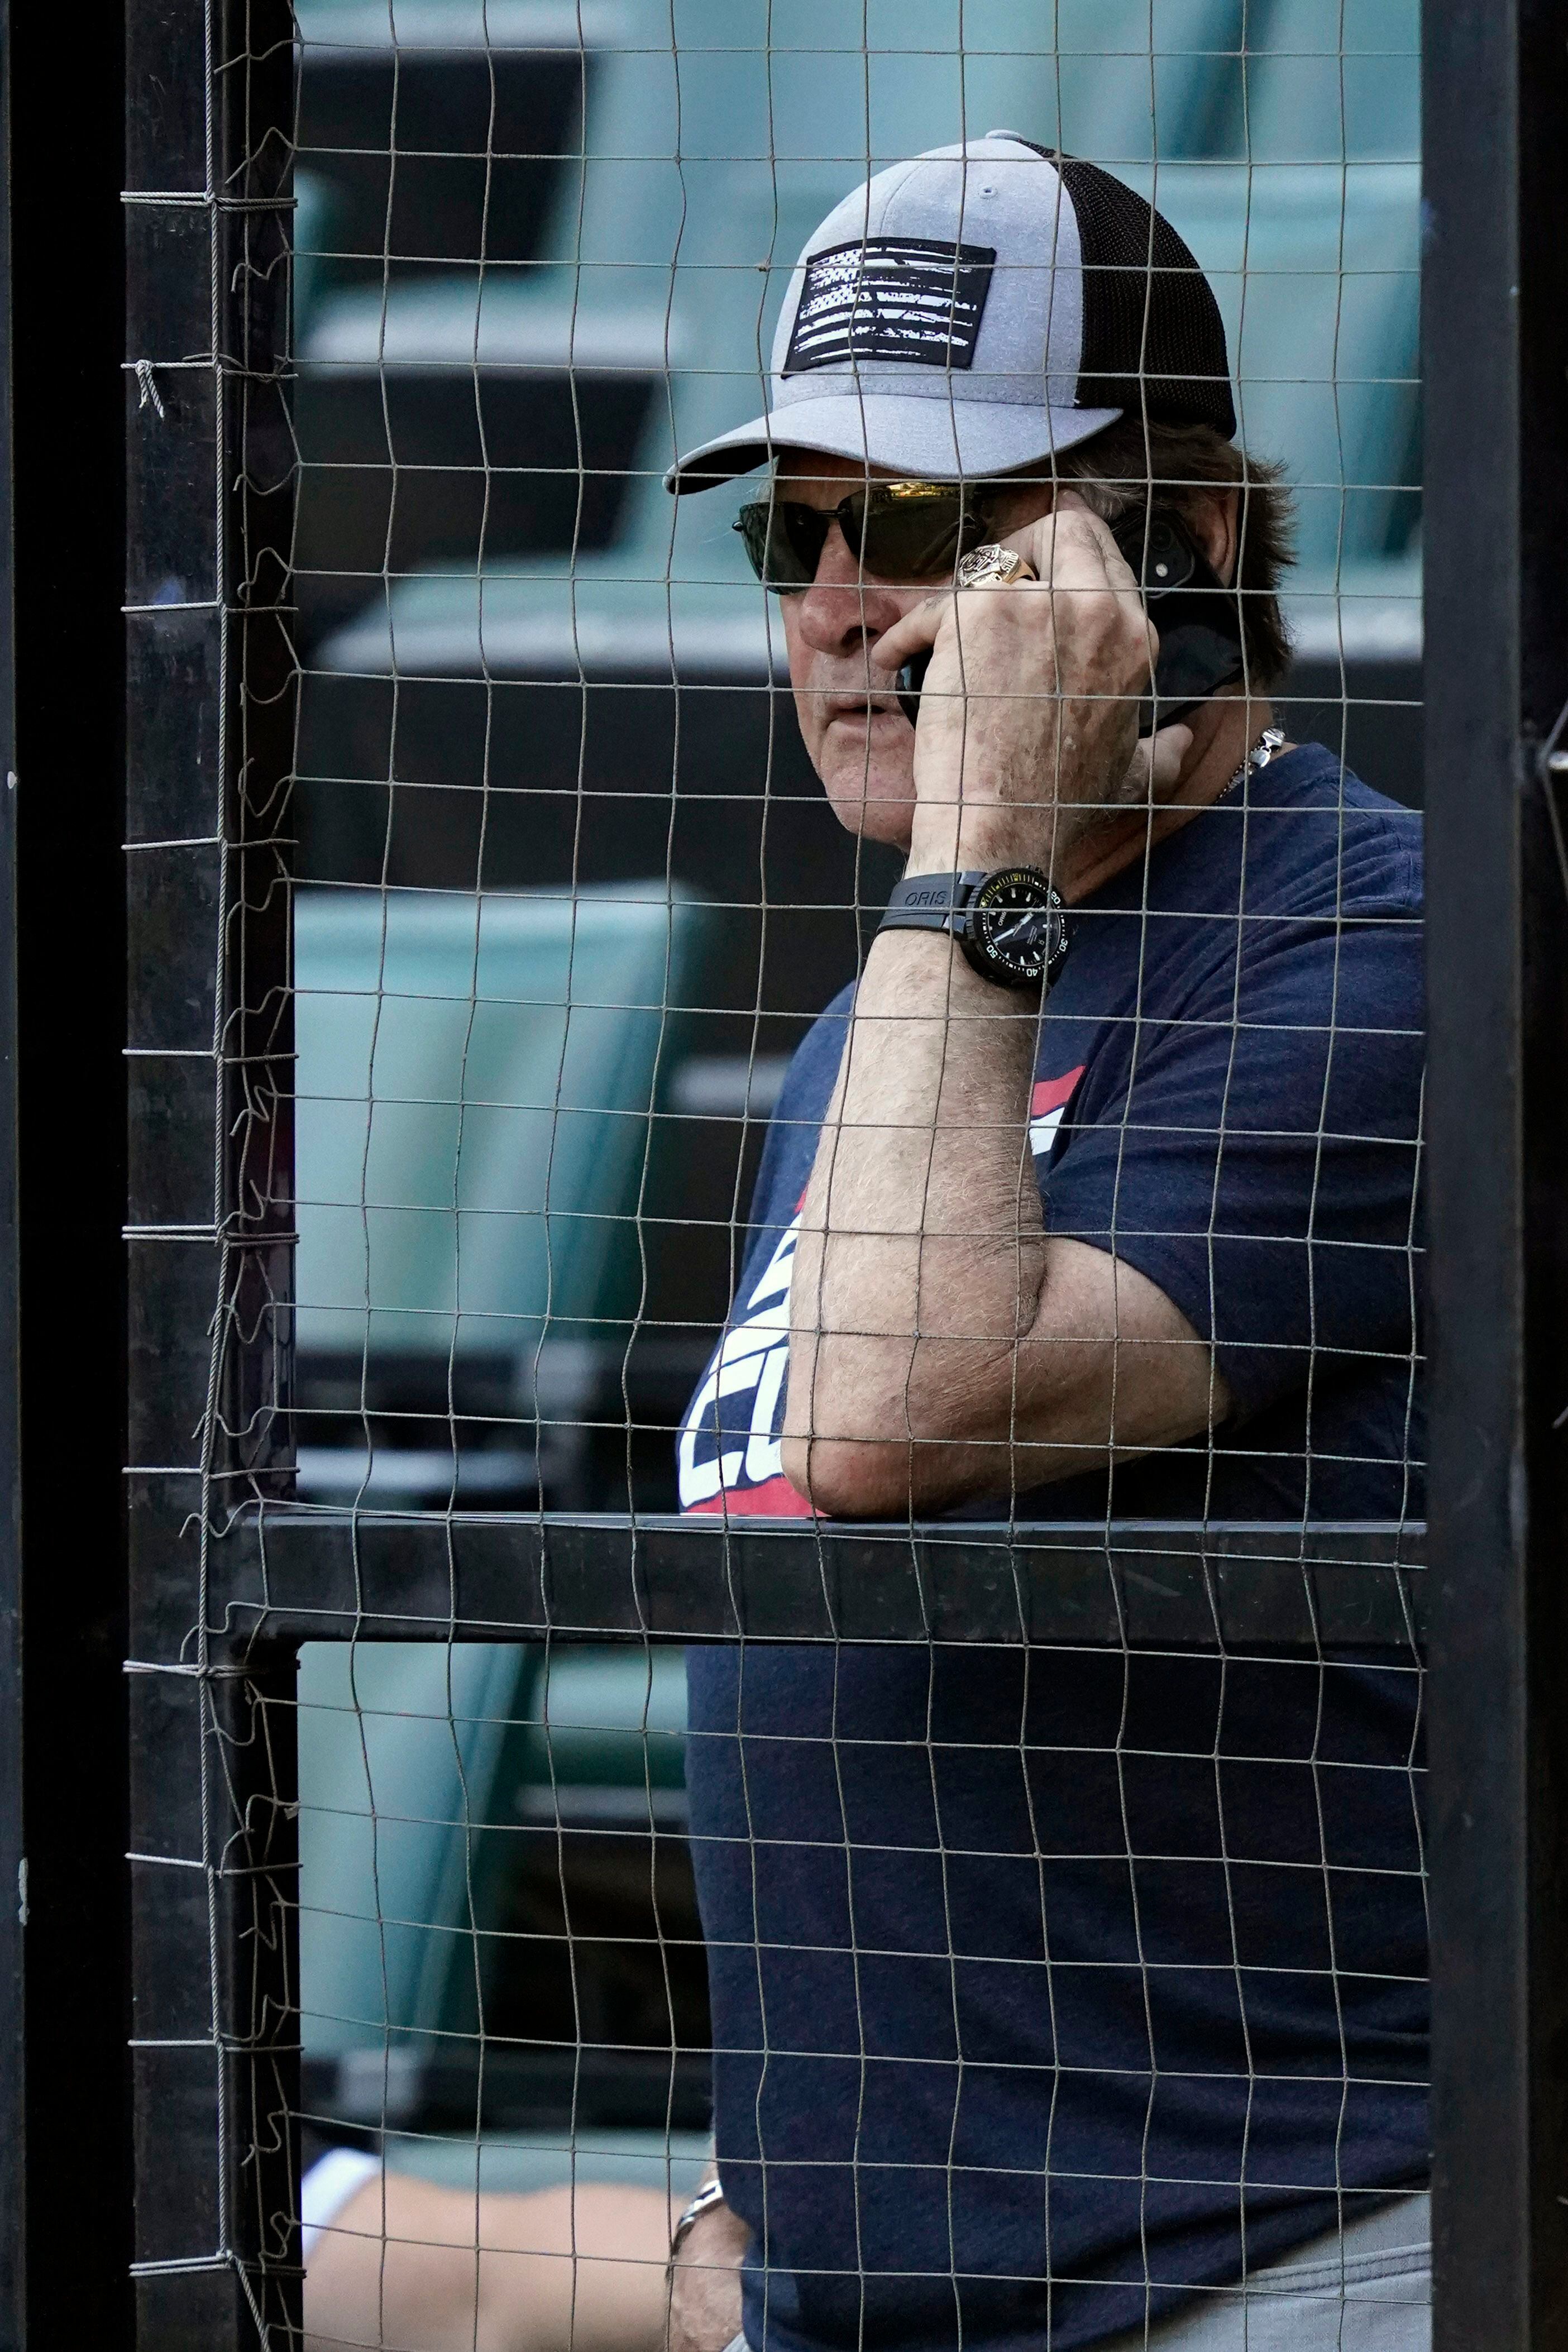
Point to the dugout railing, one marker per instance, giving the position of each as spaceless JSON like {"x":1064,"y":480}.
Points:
{"x":227,"y":1575}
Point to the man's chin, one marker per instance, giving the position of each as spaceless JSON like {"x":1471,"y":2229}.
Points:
{"x":876,"y":808}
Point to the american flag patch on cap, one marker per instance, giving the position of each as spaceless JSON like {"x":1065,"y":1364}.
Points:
{"x":907,"y":298}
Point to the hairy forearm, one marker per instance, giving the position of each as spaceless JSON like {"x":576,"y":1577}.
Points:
{"x":921,"y":1252}
{"x":705,"y":2283}
{"x":942,"y":1344}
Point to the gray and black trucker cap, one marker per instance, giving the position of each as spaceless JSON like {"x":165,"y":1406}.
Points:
{"x":977,"y":309}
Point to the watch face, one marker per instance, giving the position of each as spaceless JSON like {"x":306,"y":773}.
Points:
{"x":1015,"y":931}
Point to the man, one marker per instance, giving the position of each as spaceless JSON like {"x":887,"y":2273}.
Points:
{"x":1062,"y":1999}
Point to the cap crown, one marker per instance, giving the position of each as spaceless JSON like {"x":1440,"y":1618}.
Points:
{"x":999,"y":271}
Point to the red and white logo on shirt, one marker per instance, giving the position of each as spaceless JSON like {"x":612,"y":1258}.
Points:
{"x":728,"y":1460}
{"x":1046,"y":1104}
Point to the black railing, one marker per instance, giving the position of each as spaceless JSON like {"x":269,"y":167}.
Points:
{"x":215,"y":1828}
{"x":1496,"y":374}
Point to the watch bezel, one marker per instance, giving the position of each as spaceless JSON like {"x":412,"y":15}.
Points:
{"x":996,"y":964}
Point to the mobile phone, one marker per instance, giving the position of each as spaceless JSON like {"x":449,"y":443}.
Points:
{"x":1198,"y":618}
{"x":910,"y":679}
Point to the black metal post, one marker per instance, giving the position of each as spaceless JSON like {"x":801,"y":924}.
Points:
{"x":253,"y":1719}
{"x":208,"y":90}
{"x":64,"y":1962}
{"x":13,"y":2071}
{"x":1496,"y":370}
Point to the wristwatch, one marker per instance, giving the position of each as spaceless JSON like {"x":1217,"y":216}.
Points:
{"x":1011,"y":925}
{"x":712,"y":2193}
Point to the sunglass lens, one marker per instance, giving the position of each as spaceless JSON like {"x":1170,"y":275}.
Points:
{"x":899,"y":531}
{"x":914,"y":533}
{"x":783,"y":540}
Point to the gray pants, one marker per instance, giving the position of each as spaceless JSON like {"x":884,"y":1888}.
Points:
{"x":1366,"y":2290}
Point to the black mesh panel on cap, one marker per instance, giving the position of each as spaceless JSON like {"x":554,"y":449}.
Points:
{"x":1150,"y":316}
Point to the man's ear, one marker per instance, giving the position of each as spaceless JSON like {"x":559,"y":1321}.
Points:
{"x":1214,"y":522}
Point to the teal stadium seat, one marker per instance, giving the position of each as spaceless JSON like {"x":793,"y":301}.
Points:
{"x":1316,"y":266}
{"x":1338,"y":85}
{"x":433,"y":1780}
{"x":1346,"y":95}
{"x":476,"y":1081}
{"x":399,"y":1746}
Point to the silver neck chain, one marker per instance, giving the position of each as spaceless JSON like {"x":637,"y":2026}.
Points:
{"x":1262,"y":751}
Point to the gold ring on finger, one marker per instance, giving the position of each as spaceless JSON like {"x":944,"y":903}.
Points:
{"x":992,"y":567}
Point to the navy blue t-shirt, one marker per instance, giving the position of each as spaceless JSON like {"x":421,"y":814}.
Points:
{"x":1048,"y":1984}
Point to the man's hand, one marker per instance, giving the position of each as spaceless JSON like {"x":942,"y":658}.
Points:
{"x":705,"y":2283}
{"x":1028,"y":729}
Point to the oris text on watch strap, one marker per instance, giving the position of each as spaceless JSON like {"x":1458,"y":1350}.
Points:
{"x":1011,"y":924}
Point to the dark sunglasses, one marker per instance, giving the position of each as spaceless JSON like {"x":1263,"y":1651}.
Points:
{"x":899,"y":530}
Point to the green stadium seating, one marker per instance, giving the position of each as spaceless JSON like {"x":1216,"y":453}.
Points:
{"x":1330,"y":92}
{"x":474,"y":1082}
{"x":475,"y":1076}
{"x":429,"y":1776}
{"x":1317,"y":271}
{"x":399,"y":1746}
{"x":671,"y":2162}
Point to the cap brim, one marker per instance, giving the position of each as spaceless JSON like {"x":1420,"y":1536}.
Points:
{"x":939,"y":440}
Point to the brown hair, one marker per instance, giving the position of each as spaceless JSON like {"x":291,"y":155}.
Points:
{"x":1183,"y":466}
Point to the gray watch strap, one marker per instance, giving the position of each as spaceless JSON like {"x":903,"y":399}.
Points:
{"x":930,"y":902}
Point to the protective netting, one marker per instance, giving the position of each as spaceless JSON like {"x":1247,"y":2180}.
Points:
{"x":1035,"y":1985}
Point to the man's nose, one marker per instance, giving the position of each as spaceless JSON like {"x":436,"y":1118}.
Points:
{"x":841,"y":611}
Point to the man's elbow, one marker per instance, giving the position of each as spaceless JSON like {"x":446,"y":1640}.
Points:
{"x":853,"y":1477}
